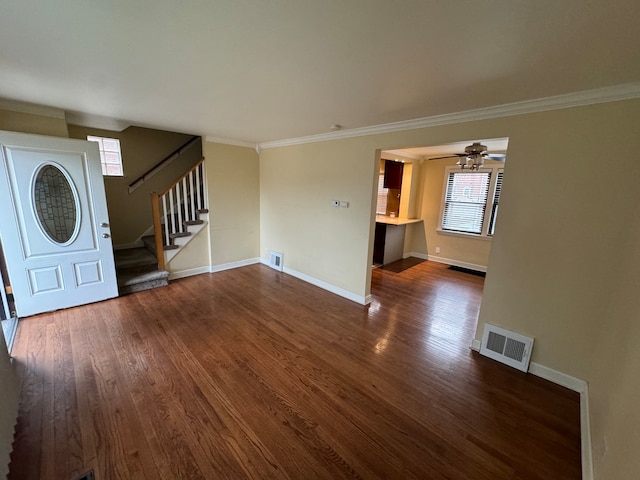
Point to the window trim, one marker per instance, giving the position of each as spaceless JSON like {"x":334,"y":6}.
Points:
{"x":494,"y":171}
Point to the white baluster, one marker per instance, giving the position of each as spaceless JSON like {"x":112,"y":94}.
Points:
{"x":185,"y":199}
{"x":165,"y":223}
{"x":172,"y":210}
{"x":179,"y":228}
{"x":194,"y":215}
{"x":198,"y":186}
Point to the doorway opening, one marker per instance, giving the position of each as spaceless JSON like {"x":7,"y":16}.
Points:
{"x":447,"y":207}
{"x":448,"y":202}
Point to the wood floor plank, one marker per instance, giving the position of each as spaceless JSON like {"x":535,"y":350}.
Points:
{"x":252,"y":373}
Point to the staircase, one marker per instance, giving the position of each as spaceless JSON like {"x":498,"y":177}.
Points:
{"x":178,"y":213}
{"x":137,"y":270}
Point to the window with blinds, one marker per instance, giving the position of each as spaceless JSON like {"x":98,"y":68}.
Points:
{"x":466,"y":201}
{"x":470,"y":202}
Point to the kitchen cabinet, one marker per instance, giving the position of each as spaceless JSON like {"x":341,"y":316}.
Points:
{"x":388,"y":242}
{"x":393,"y":174}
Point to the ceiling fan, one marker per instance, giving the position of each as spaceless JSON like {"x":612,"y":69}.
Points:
{"x":473,"y":156}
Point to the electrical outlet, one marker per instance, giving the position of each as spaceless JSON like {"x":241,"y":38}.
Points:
{"x":344,"y":204}
{"x":437,"y":249}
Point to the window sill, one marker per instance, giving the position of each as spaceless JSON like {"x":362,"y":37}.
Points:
{"x":475,"y":236}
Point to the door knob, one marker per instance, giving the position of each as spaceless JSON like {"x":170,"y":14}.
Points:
{"x":105,"y":235}
{"x":104,"y":224}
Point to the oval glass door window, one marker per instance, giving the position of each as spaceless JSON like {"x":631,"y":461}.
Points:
{"x":56,"y":204}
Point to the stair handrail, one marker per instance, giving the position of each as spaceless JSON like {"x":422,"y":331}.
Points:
{"x":155,"y":205}
{"x":182,"y":177}
{"x":161,"y":164}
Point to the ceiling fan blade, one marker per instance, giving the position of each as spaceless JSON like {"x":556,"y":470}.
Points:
{"x":500,"y":157}
{"x":455,"y":155}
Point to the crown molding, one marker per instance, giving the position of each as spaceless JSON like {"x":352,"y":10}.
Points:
{"x":228,"y":141}
{"x":32,"y":108}
{"x":576,"y":99}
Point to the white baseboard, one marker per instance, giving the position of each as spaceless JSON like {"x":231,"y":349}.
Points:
{"x":423,"y":256}
{"x":577,"y":385}
{"x":228,"y":266}
{"x":324,"y":285}
{"x":189,"y":272}
{"x":456,"y":263}
{"x":212,"y":268}
{"x":559,"y":378}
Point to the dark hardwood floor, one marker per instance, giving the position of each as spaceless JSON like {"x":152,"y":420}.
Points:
{"x":251,"y":373}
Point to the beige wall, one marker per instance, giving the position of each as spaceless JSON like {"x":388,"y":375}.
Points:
{"x":561,"y":243}
{"x":142,"y":149}
{"x":39,"y":124}
{"x":614,"y":386}
{"x":297,"y":185}
{"x":234,"y":202}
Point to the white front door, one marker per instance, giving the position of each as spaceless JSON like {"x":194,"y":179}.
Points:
{"x":54,"y":225}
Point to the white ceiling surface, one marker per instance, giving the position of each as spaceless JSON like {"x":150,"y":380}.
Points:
{"x":256,"y":71}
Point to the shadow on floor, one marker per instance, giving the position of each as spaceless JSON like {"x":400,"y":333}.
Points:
{"x":402,"y":264}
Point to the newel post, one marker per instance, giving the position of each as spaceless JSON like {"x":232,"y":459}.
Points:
{"x":157,"y":229}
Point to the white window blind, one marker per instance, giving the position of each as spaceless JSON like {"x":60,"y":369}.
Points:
{"x":496,"y":200}
{"x":466,"y":201}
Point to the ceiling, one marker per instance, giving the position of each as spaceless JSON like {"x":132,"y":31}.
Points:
{"x":255,"y":71}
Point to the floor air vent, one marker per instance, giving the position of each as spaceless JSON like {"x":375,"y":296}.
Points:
{"x":275,"y":260}
{"x":507,"y":347}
